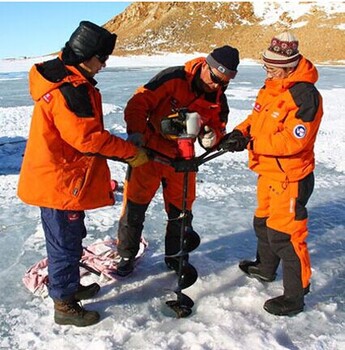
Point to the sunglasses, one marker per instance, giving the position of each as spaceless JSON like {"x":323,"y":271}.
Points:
{"x":216,"y":79}
{"x":102,"y":59}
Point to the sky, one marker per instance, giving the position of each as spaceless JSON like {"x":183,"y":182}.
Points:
{"x":39,"y":28}
{"x":31,"y":29}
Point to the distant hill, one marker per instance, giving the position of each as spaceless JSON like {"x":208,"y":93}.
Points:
{"x":188,"y":27}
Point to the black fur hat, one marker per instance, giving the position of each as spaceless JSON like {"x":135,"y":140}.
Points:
{"x":86,"y":41}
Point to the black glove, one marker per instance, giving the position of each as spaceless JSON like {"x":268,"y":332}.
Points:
{"x":234,"y":142}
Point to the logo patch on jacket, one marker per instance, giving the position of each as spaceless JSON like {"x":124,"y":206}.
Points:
{"x":275,"y":114}
{"x":257,"y":107}
{"x":48,"y":97}
{"x":299,"y":131}
{"x":73,"y":216}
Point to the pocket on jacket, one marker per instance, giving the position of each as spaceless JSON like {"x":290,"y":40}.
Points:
{"x":73,"y":180}
{"x":78,"y":185}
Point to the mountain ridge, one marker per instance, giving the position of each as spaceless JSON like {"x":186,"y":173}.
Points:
{"x":152,"y":28}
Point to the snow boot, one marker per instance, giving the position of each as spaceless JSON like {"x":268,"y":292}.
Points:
{"x":69,"y":312}
{"x":252,"y":269}
{"x":284,"y":306}
{"x":125,"y":267}
{"x":86,"y":292}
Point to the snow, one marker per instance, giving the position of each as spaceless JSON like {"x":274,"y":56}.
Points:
{"x":271,"y":11}
{"x":220,"y":25}
{"x":228,"y":312}
{"x":299,"y":24}
{"x":11,"y":66}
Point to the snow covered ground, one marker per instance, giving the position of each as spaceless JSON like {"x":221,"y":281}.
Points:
{"x":228,"y":313}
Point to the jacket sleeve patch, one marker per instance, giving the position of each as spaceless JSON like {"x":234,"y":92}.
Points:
{"x":78,"y":100}
{"x":299,"y":131}
{"x":306,"y":98}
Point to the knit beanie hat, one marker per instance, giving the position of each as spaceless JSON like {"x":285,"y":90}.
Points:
{"x":225,"y":59}
{"x":283,"y":51}
{"x":86,"y":41}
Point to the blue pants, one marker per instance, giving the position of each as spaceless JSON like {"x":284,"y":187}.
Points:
{"x":64,"y":231}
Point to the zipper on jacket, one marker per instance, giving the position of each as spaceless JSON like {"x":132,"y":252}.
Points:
{"x":78,"y":186}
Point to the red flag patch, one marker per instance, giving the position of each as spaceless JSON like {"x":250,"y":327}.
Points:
{"x":48,"y":97}
{"x":257,"y":107}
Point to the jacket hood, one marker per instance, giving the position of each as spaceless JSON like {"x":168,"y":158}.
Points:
{"x":304,"y":72}
{"x":47,"y":76}
{"x":192,"y":66}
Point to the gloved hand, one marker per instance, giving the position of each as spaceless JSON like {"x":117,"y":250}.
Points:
{"x":137,"y":138}
{"x":208,"y":139}
{"x":139,"y":159}
{"x":234,"y":142}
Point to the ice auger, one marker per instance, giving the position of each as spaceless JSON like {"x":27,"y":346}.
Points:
{"x":184,"y":127}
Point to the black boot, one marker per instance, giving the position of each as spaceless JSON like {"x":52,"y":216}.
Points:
{"x":69,"y":312}
{"x":244,"y":265}
{"x":285,"y":306}
{"x":125,"y":266}
{"x":86,"y":292}
{"x":252,"y":269}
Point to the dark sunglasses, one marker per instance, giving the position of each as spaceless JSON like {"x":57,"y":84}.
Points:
{"x":102,"y":59}
{"x":216,"y":79}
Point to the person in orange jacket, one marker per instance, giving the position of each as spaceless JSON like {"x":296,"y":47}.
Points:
{"x":198,"y":87}
{"x":64,"y":170}
{"x":282,"y":129}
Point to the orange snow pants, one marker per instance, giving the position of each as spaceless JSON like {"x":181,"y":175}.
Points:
{"x":280,"y":225}
{"x":141,"y":186}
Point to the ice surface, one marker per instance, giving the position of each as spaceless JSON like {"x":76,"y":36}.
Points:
{"x":228,"y":313}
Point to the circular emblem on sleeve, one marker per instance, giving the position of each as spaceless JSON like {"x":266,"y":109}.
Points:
{"x":299,"y":131}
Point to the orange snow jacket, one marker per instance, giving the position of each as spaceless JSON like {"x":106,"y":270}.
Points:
{"x":170,"y":90}
{"x":283,"y":125}
{"x":65,"y":162}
